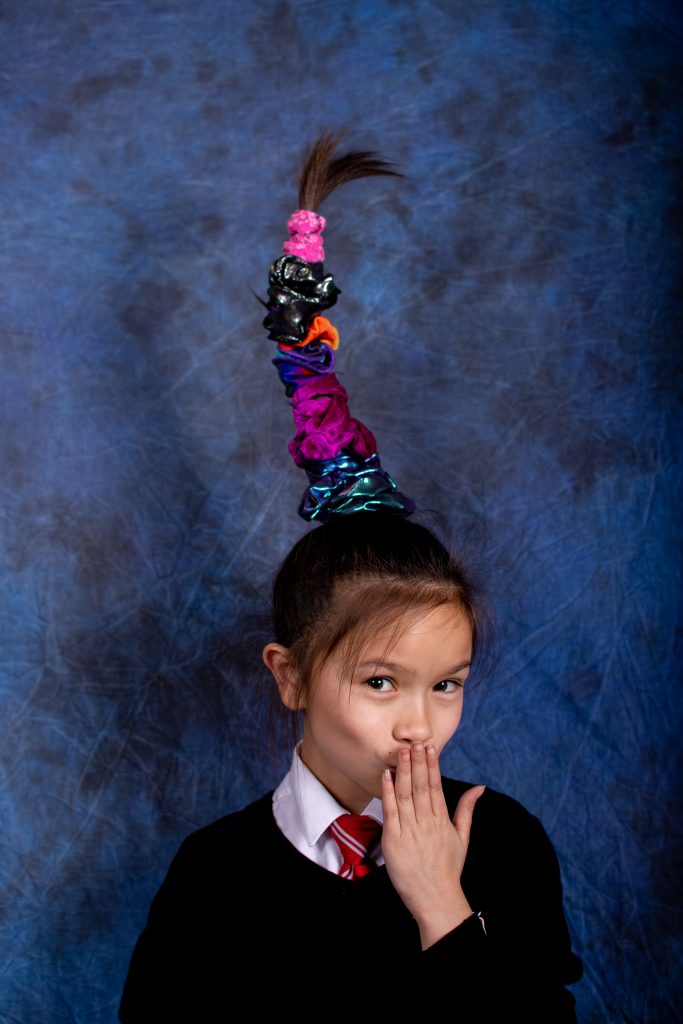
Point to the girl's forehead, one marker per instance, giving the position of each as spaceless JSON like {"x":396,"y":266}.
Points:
{"x":418,"y":621}
{"x":409,"y":634}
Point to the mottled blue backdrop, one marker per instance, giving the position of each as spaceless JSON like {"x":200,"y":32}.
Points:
{"x":509,"y":322}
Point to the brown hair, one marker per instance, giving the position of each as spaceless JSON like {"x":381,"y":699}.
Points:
{"x":358,"y":573}
{"x":352,"y":578}
{"x":322,"y":174}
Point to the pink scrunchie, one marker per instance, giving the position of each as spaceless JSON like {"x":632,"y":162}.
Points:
{"x":323,"y":423}
{"x":305,"y":236}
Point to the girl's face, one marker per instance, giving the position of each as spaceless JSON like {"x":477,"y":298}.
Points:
{"x":414,"y":693}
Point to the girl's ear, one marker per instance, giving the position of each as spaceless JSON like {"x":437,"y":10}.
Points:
{"x":278,"y":659}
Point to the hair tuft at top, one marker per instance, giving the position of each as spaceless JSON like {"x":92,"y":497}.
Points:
{"x":323,"y":173}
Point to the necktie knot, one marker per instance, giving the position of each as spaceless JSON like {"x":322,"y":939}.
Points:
{"x":356,"y":835}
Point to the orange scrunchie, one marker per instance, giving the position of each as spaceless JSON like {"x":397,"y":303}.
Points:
{"x":320,"y":330}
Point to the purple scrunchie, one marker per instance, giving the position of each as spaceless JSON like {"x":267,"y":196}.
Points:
{"x":305,"y":236}
{"x":324,"y":425}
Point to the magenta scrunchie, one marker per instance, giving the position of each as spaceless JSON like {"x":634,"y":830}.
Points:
{"x":305,"y":236}
{"x":324,"y":425}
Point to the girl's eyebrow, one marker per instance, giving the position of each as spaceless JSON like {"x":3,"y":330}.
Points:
{"x":395,"y":667}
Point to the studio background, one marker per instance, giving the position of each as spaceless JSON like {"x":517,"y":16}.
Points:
{"x":508,"y":319}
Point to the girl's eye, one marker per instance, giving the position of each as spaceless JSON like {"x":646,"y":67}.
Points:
{"x":377,"y":684}
{"x":448,"y":686}
{"x":381,"y":684}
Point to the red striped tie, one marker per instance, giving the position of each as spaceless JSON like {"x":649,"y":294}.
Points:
{"x":356,"y":835}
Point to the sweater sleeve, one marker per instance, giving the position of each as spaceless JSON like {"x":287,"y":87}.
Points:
{"x":173,"y":953}
{"x":520,"y":964}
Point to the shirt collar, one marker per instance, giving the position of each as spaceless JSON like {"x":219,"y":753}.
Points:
{"x":315,"y":805}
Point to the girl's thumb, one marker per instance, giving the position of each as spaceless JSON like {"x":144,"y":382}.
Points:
{"x":462,"y":819}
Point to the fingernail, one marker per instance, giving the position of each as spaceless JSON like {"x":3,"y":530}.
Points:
{"x":418,"y":748}
{"x":405,"y":755}
{"x":431,"y":749}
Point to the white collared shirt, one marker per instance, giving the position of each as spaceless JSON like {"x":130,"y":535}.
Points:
{"x":304,"y":810}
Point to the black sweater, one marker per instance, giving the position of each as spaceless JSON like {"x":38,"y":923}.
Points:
{"x":242,"y":914}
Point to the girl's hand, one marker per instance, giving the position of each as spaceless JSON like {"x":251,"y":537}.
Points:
{"x":423,"y":849}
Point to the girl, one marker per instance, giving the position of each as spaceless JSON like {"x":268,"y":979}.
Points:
{"x":365,"y":874}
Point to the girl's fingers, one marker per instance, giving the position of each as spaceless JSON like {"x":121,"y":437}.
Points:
{"x":404,"y":787}
{"x":389,"y":805}
{"x":418,"y":791}
{"x":462,"y":819}
{"x":420,"y":781}
{"x":438,"y":799}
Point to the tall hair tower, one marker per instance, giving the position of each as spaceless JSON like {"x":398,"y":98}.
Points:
{"x":338,"y":452}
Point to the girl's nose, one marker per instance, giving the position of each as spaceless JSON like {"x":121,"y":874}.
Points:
{"x":413,"y":726}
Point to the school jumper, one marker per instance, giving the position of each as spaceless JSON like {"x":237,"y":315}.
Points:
{"x":252,"y":908}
